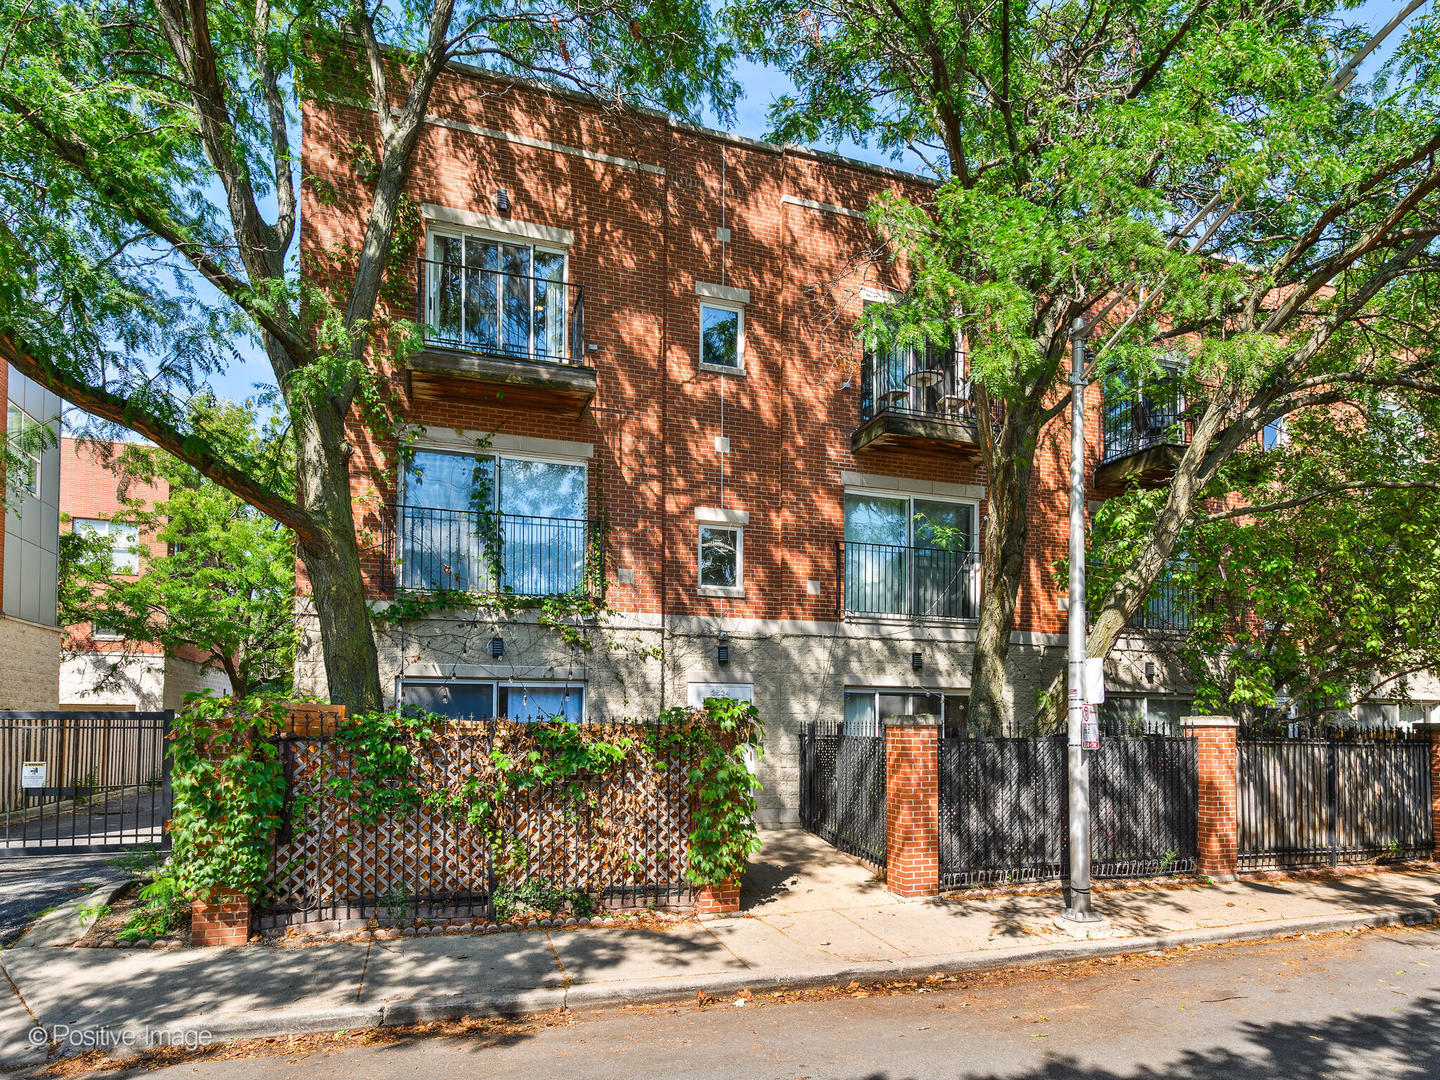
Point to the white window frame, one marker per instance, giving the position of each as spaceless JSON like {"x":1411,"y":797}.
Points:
{"x":89,"y":523}
{"x":495,"y":683}
{"x":738,"y":589}
{"x":461,"y":233}
{"x":14,"y":442}
{"x":739,"y":311}
{"x":495,"y":455}
{"x":910,"y":497}
{"x":873,"y":692}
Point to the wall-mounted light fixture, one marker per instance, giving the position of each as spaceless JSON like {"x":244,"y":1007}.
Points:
{"x":1149,"y":670}
{"x":916,"y":661}
{"x":722,"y":648}
{"x":502,"y":200}
{"x":497,"y":647}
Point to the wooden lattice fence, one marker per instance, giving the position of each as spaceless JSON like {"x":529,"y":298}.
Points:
{"x":619,"y":835}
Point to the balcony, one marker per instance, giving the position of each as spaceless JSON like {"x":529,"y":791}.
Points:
{"x":500,"y":337}
{"x":1145,"y":434}
{"x":915,"y":400}
{"x":432,"y":549}
{"x":1168,"y":607}
{"x":920,"y":583}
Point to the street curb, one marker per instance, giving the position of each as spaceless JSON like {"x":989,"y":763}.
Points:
{"x":62,"y":926}
{"x":519,"y":1003}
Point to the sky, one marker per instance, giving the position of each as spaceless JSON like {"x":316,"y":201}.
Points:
{"x":762,"y":85}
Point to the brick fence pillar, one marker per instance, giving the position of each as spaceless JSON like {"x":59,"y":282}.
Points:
{"x":225,"y":920}
{"x":1218,"y":761}
{"x":1431,"y":730}
{"x":912,"y":805}
{"x":722,"y":899}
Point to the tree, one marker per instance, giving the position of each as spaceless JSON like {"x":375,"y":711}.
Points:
{"x":1201,"y":178}
{"x":148,"y":215}
{"x":1331,"y":596}
{"x":226,"y":584}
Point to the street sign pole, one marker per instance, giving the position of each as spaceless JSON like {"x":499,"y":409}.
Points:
{"x":1079,"y":909}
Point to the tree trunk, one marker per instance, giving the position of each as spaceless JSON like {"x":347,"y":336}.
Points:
{"x":1002,"y":566}
{"x":347,"y":641}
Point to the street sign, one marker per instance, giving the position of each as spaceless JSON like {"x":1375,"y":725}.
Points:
{"x":1095,"y":680}
{"x":1090,"y":728}
{"x":32,"y":774}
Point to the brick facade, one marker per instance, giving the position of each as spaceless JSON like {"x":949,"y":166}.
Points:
{"x":1217,"y":759}
{"x":223,"y":921}
{"x":912,"y":806}
{"x":642,"y":202}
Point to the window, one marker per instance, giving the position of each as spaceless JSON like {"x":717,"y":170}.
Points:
{"x":22,"y":431}
{"x":721,"y":557}
{"x":101,"y":632}
{"x":475,"y":699}
{"x":124,"y":542}
{"x":498,"y":296}
{"x":866,"y":710}
{"x":722,"y":337}
{"x":906,"y":556}
{"x":1151,"y":714}
{"x":456,"y":506}
{"x":1275,"y":434}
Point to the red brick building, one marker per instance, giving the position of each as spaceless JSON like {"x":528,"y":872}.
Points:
{"x":653,"y":324}
{"x":98,"y":669}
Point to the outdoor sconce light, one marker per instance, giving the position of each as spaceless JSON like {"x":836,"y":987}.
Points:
{"x":916,"y":661}
{"x":497,"y":647}
{"x":722,"y":649}
{"x":502,"y":200}
{"x":1149,"y":671}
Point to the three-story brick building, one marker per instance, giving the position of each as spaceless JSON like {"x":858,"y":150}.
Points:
{"x":640,"y":337}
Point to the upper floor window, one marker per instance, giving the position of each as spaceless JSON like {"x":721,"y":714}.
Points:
{"x":21,"y":431}
{"x":463,"y":518}
{"x":124,"y":542}
{"x":499,"y":296}
{"x":908,"y":556}
{"x":722,"y":557}
{"x":722,"y":336}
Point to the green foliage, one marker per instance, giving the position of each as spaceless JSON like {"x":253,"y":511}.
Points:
{"x":717,"y":740}
{"x":229,"y":789}
{"x":225,"y":585}
{"x":91,"y":913}
{"x":535,"y":896}
{"x":163,"y":907}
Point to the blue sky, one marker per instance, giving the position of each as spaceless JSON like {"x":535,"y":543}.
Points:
{"x":762,"y":86}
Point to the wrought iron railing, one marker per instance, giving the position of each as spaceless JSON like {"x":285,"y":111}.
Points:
{"x":1168,"y":607}
{"x":489,"y":311}
{"x":918,"y":582}
{"x":925,"y":384}
{"x":471,"y":551}
{"x":1136,"y":421}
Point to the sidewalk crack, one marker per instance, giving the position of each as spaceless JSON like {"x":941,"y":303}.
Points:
{"x":24,"y":1004}
{"x":564,"y":975}
{"x":364,"y":968}
{"x":740,"y":959}
{"x":872,"y":933}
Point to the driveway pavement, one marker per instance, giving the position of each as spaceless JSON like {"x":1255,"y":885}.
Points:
{"x":32,"y":884}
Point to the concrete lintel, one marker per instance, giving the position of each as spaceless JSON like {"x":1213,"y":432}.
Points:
{"x":918,"y":720}
{"x":1209,"y":721}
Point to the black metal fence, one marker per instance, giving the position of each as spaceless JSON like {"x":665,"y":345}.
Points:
{"x":1004,"y":809}
{"x":917,"y":582}
{"x":842,"y":790}
{"x":923,"y":383}
{"x":1134,"y":421}
{"x":433,"y":548}
{"x":83,"y":781}
{"x":486,"y":310}
{"x":1323,"y":802}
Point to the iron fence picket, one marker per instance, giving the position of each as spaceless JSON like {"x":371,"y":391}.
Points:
{"x":1144,"y":806}
{"x":1322,"y":802}
{"x":843,"y":790}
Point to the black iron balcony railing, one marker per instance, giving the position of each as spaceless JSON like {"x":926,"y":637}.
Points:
{"x":1168,"y":607}
{"x":927,"y":385}
{"x":916,"y":582}
{"x":469,"y":551}
{"x":512,"y":315}
{"x":1134,"y":422}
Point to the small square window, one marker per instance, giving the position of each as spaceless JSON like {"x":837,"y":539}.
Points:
{"x":722,"y":337}
{"x":721,"y":565}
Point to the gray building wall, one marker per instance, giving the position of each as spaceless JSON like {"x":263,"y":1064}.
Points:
{"x":32,"y":521}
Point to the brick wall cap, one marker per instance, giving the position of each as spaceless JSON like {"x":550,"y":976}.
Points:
{"x":1209,"y":721}
{"x":917,"y":720}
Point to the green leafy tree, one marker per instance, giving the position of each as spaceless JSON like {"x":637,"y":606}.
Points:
{"x":1205,"y":179}
{"x":149,"y":195}
{"x":226,"y":584}
{"x":1318,"y":583}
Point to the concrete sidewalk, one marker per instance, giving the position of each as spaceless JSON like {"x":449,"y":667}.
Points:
{"x":828,"y":921}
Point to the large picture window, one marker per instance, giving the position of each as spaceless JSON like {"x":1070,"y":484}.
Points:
{"x":497,"y":296}
{"x":909,"y":556}
{"x":866,"y":710}
{"x":457,"y":507}
{"x":480,"y":699}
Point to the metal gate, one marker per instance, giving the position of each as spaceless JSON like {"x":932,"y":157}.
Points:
{"x":1317,"y":802}
{"x":83,"y":781}
{"x":842,"y":790}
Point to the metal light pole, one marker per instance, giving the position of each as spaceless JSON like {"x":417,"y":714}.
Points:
{"x":1079,"y":909}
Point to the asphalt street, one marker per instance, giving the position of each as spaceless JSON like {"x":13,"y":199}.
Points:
{"x":32,"y":884}
{"x":1352,"y":1006}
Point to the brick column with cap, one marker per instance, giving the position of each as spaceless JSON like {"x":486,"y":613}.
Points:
{"x":912,"y":805}
{"x":1431,"y":730}
{"x":1217,"y":757}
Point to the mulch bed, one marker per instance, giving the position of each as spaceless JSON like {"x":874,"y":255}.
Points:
{"x":101,"y":934}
